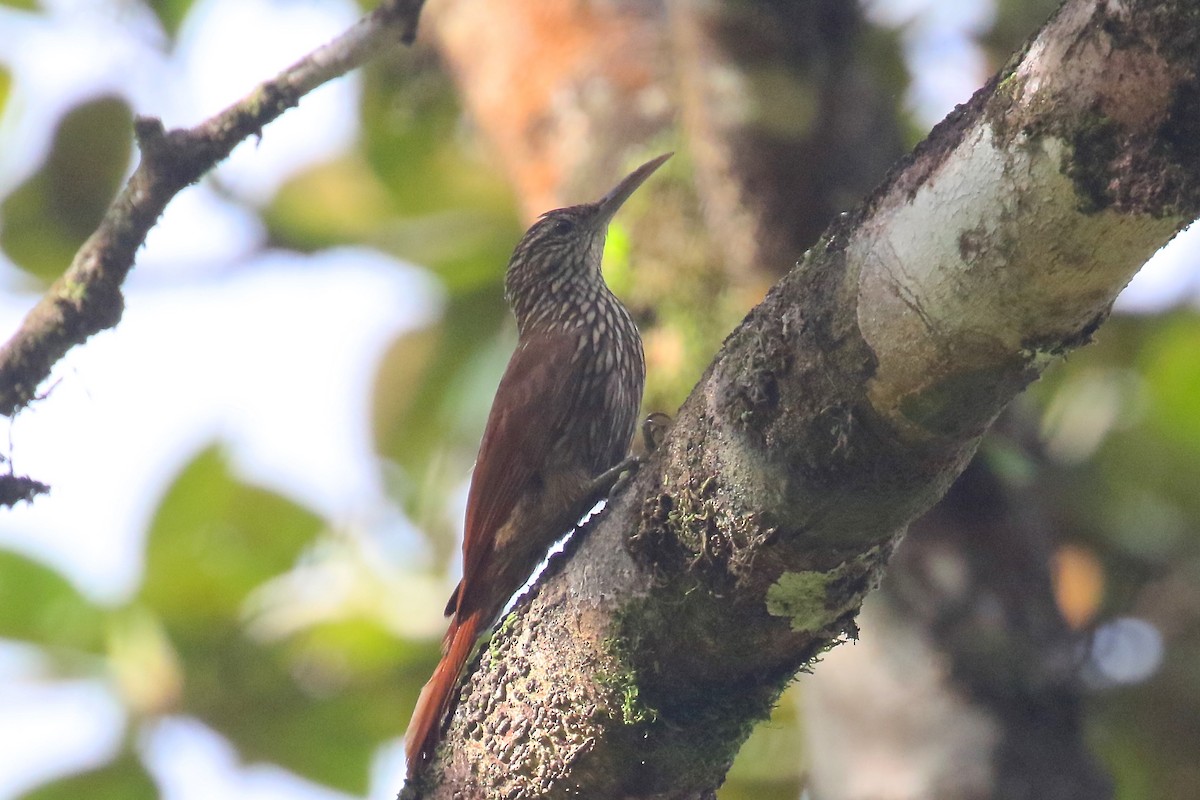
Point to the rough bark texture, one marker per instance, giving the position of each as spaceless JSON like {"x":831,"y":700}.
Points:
{"x":839,"y":410}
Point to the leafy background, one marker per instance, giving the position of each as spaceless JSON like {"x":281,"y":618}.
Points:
{"x":235,"y":585}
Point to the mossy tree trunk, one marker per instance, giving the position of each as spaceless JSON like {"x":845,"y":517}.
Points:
{"x":839,"y":410}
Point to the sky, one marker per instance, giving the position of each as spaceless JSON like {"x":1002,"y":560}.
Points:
{"x":133,"y":405}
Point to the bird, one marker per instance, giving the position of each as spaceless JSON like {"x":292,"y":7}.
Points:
{"x":560,"y":426}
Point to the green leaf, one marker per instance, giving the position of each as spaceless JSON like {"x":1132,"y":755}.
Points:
{"x":1173,"y":376}
{"x":412,"y":188}
{"x":335,"y":203}
{"x":318,"y":704}
{"x":213,"y":541}
{"x":771,"y":763}
{"x":454,"y":212}
{"x":123,"y":779}
{"x":38,"y":605}
{"x":410,"y":116}
{"x":5,"y":87}
{"x":22,"y":5}
{"x":50,"y":215}
{"x":171,"y":13}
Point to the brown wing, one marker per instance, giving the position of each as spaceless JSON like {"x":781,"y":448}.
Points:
{"x":526,"y":416}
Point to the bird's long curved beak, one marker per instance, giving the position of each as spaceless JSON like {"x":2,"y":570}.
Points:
{"x":607,"y":206}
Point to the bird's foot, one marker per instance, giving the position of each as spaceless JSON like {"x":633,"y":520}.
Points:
{"x":614,"y":479}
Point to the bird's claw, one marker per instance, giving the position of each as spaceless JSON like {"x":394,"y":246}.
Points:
{"x":614,"y":479}
{"x":625,"y":472}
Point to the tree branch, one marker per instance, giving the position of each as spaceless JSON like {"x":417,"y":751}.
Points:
{"x":839,"y":410}
{"x":87,"y":298}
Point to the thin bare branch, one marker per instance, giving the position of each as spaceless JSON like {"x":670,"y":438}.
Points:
{"x":87,"y":298}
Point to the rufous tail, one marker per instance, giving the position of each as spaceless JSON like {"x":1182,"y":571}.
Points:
{"x":426,"y":725}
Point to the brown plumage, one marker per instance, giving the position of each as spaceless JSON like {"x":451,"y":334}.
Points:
{"x":563,"y":415}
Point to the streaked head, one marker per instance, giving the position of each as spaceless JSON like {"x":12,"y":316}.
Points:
{"x":565,"y":245}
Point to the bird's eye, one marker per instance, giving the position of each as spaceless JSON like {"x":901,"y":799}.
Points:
{"x":563,"y":226}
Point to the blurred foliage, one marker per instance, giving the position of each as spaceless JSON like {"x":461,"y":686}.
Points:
{"x":50,"y":215}
{"x":39,"y":605}
{"x":122,"y":779}
{"x":316,"y":699}
{"x":413,"y":187}
{"x":212,"y":543}
{"x":5,"y":87}
{"x":23,"y":5}
{"x":170,"y":13}
{"x":767,"y":766}
{"x":1015,"y":22}
{"x":1121,"y":425}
